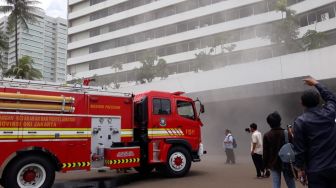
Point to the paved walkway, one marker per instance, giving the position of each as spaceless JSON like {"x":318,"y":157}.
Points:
{"x":210,"y":173}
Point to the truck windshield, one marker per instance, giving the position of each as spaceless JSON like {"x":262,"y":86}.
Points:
{"x":185,"y":109}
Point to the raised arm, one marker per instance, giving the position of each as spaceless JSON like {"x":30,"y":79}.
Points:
{"x":329,"y":98}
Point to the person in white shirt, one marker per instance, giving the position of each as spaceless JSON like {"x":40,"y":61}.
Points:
{"x":257,"y":150}
{"x":228,"y":146}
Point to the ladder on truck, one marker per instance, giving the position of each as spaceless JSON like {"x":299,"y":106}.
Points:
{"x":51,"y":86}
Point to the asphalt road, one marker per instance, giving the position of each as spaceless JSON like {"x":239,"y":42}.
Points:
{"x":211,"y":172}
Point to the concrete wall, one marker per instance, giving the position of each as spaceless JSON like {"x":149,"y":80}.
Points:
{"x":318,"y":63}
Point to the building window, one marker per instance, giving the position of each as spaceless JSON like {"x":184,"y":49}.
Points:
{"x":206,"y":21}
{"x":182,"y":27}
{"x":94,"y":32}
{"x":260,"y":8}
{"x":171,"y":50}
{"x":264,"y":53}
{"x":194,"y":45}
{"x":303,"y":21}
{"x":219,"y":18}
{"x":182,"y":47}
{"x":203,"y":3}
{"x":170,"y":30}
{"x":325,"y":14}
{"x":246,"y":11}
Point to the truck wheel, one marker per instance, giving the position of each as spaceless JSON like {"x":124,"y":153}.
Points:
{"x":28,"y":172}
{"x":178,"y":164}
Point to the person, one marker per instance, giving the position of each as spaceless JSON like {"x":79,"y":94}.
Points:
{"x":228,"y":146}
{"x":315,"y":137}
{"x":257,"y":150}
{"x":272,"y":142}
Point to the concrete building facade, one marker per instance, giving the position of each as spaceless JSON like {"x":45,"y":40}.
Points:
{"x":46,"y":42}
{"x":106,"y":32}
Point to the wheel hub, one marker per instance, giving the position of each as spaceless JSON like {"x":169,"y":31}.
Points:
{"x":29,"y":175}
{"x":178,"y":161}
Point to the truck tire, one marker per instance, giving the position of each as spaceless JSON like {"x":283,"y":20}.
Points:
{"x":28,"y":172}
{"x":178,"y":162}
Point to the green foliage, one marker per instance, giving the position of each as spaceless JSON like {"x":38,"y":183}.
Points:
{"x":20,"y":13}
{"x":151,"y":67}
{"x":3,"y":42}
{"x":162,"y":69}
{"x":203,"y":61}
{"x":221,"y":40}
{"x":116,"y":84}
{"x":3,"y":48}
{"x":313,"y":40}
{"x":281,"y":5}
{"x":286,"y":31}
{"x":24,"y":70}
{"x":117,"y":67}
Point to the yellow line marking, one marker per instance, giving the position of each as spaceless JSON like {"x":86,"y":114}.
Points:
{"x":53,"y":136}
{"x":56,"y":129}
{"x":9,"y":129}
{"x":5,"y":137}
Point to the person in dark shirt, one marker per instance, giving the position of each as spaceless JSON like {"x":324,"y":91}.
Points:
{"x":273,"y":140}
{"x":315,"y":138}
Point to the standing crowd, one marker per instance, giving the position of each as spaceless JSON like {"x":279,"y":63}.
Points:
{"x":305,"y":151}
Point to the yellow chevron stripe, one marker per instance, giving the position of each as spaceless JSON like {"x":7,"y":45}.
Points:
{"x":75,"y":164}
{"x":122,"y":161}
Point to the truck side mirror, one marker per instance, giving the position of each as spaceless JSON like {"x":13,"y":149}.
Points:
{"x":202,"y":110}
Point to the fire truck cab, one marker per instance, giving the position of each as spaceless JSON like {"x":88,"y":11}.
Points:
{"x":51,"y":128}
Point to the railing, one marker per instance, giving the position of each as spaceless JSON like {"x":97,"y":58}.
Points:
{"x":44,"y":85}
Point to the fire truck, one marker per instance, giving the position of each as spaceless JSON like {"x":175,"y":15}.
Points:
{"x":47,"y":128}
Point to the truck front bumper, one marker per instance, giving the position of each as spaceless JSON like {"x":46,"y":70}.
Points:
{"x":196,"y":155}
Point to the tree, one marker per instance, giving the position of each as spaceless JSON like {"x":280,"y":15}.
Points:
{"x":24,"y":70}
{"x":3,"y":48}
{"x":313,"y":40}
{"x":3,"y":42}
{"x":21,"y":13}
{"x":286,"y":31}
{"x":203,"y":61}
{"x":117,"y":66}
{"x":162,"y":69}
{"x":221,"y":40}
{"x":150,"y":69}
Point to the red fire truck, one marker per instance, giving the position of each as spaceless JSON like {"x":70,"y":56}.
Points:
{"x":48,"y":128}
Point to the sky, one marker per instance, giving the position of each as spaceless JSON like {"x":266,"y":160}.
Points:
{"x":54,"y":8}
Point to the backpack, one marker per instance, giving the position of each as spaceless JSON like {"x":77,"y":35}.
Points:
{"x":286,"y":152}
{"x":234,"y":143}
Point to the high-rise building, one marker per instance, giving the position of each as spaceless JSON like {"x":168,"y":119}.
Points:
{"x":46,"y":42}
{"x":105,"y":32}
{"x":3,"y":29}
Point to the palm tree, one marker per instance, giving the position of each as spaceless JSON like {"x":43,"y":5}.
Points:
{"x":24,"y":70}
{"x":3,"y":48}
{"x":3,"y":41}
{"x":21,"y":12}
